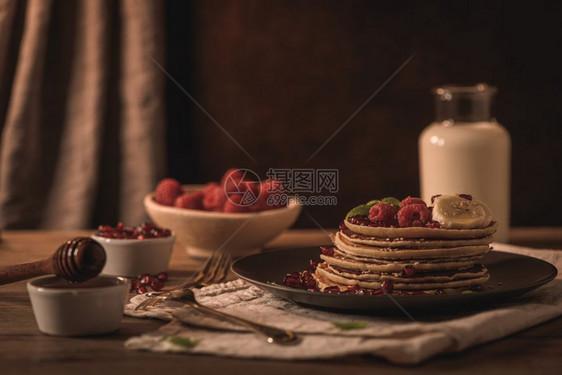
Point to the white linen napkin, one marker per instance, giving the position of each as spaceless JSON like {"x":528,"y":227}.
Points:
{"x":327,"y":334}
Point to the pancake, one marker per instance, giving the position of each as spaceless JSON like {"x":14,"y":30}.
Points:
{"x":412,"y":243}
{"x":422,"y":232}
{"x":426,"y":276}
{"x":325,"y":278}
{"x":365,"y":264}
{"x":348,"y":247}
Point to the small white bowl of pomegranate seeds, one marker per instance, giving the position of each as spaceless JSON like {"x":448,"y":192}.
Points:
{"x":133,"y":251}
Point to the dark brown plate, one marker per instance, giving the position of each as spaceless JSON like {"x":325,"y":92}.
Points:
{"x":510,"y":276}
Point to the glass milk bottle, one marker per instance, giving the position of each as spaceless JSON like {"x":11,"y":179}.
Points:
{"x":466,"y":151}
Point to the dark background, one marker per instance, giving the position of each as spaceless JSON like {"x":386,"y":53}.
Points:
{"x":282,"y":76}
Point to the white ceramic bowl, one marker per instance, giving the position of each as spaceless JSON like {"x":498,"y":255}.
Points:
{"x":94,"y":307}
{"x":134,"y":257}
{"x":201,"y":232}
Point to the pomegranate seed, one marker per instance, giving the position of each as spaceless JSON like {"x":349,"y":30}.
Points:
{"x":466,"y":196}
{"x":388,"y":286}
{"x":148,"y":226}
{"x":433,"y":224}
{"x":312,"y":264}
{"x":376,"y":291}
{"x":146,"y":230}
{"x":310,"y":283}
{"x":162,"y":276}
{"x":332,"y":290}
{"x":342,"y":226}
{"x":409,"y":270}
{"x":296,"y":275}
{"x":329,"y":251}
{"x":134,"y":285}
{"x":292,"y":282}
{"x":353,"y":288}
{"x":157,"y":284}
{"x":142,"y":289}
{"x":360,"y":220}
{"x":433,"y":198}
{"x":440,"y":291}
{"x":146,"y":279}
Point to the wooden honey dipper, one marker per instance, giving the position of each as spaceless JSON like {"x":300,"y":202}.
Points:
{"x":77,"y":260}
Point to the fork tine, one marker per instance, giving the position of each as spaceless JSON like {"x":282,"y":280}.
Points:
{"x":207,"y":267}
{"x":212,"y":274}
{"x":217,"y":272}
{"x":147,"y":302}
{"x":154,"y":301}
{"x":222,"y":274}
{"x":209,"y":264}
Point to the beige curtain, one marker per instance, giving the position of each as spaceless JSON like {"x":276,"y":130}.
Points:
{"x":82,"y":122}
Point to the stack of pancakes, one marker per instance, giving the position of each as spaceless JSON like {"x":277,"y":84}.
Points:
{"x":415,"y":260}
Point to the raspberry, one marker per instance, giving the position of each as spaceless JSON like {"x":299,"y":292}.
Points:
{"x":234,"y":204}
{"x":251,"y":195}
{"x":414,"y":215}
{"x":384,"y":213}
{"x":210,"y":186}
{"x":268,"y":188}
{"x":193,"y":201}
{"x":411,"y":200}
{"x":167,"y":191}
{"x":214,"y":198}
{"x":231,"y":179}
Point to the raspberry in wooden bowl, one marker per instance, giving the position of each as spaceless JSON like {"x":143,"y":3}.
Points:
{"x":133,"y":251}
{"x":217,"y":219}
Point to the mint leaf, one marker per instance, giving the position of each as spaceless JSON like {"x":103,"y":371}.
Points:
{"x":346,"y":326}
{"x":361,"y":210}
{"x":186,"y":342}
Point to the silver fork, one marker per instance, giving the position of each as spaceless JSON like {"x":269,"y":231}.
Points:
{"x":272,"y":334}
{"x":215,"y":270}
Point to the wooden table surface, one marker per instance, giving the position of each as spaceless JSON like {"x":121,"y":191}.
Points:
{"x":24,"y":350}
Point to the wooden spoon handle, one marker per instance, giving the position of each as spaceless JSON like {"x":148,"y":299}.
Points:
{"x":17,"y":272}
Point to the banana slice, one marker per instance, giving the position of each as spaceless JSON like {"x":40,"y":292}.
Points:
{"x":454,"y":212}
